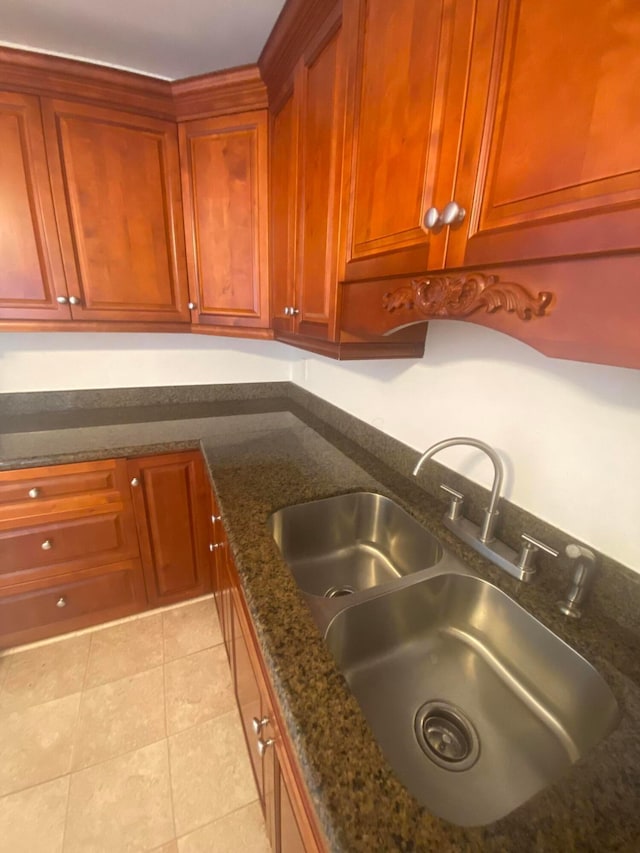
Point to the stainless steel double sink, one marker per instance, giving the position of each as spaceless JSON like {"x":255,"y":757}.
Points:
{"x":476,"y":704}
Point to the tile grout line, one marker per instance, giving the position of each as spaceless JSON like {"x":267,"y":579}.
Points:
{"x":166,"y":729}
{"x":223,"y":817}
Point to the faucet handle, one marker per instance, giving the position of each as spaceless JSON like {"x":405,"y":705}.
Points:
{"x":455,"y":507}
{"x":529,"y":549}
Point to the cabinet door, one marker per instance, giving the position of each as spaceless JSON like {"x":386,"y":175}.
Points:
{"x":172,"y":505}
{"x":249,"y":694}
{"x":284,"y":162}
{"x":408,"y":72}
{"x":319,"y":86}
{"x":116,"y":185}
{"x":550,"y":162}
{"x":224,"y":182}
{"x":31,"y":272}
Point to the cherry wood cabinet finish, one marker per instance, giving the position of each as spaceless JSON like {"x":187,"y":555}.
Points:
{"x":283,"y":195}
{"x":225,"y":191}
{"x":549,"y":163}
{"x":288,"y":814}
{"x":171,"y":500}
{"x":408,"y":70}
{"x":57,"y":491}
{"x":74,"y":544}
{"x":115,"y":181}
{"x":31,"y":272}
{"x":319,"y":87}
{"x":44,"y":608}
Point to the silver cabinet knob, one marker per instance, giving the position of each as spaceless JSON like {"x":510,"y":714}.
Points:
{"x":74,"y":300}
{"x":191,"y":306}
{"x":215,"y":518}
{"x":63,"y":300}
{"x":453,"y":214}
{"x":295,"y":312}
{"x":61,"y":602}
{"x":215,"y":545}
{"x":263,"y":745}
{"x":34,"y":493}
{"x":135,"y":482}
{"x":47,"y":545}
{"x":432,"y":219}
{"x":258,"y":725}
{"x":287,"y":310}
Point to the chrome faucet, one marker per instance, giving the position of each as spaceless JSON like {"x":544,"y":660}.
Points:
{"x":482,"y":538}
{"x":491,"y":512}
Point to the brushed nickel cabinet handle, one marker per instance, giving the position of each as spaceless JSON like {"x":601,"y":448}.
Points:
{"x":61,"y":602}
{"x":135,"y":482}
{"x":74,"y":300}
{"x":47,"y":545}
{"x":34,"y":493}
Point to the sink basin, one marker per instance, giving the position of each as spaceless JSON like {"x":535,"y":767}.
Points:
{"x":476,"y":704}
{"x":350,"y":543}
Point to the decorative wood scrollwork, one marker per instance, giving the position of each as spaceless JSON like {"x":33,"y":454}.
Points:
{"x":459,"y":296}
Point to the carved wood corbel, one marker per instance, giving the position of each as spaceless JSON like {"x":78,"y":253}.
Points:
{"x":459,"y":296}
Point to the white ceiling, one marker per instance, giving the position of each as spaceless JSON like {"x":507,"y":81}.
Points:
{"x":165,"y":38}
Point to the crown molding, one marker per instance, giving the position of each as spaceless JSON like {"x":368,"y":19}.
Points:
{"x":233,"y":90}
{"x":298,"y":22}
{"x":55,"y":76}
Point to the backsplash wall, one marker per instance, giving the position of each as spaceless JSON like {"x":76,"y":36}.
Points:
{"x":569,"y":433}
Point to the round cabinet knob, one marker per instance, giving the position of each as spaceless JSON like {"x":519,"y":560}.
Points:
{"x":61,"y":602}
{"x":263,"y":745}
{"x":135,"y":482}
{"x":295,"y":312}
{"x":287,"y":310}
{"x":47,"y":545}
{"x":62,"y":300}
{"x":432,"y":219}
{"x":215,"y":545}
{"x":34,"y":493}
{"x":191,"y":306}
{"x":74,"y":300}
{"x":215,"y":518}
{"x":453,"y":214}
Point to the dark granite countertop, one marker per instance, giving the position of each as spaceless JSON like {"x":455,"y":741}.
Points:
{"x":266,"y":454}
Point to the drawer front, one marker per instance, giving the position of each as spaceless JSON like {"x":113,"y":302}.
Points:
{"x":33,"y":612}
{"x":59,"y":488}
{"x":71,"y":545}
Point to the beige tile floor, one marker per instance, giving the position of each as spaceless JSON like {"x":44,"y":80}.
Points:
{"x":126,"y":738}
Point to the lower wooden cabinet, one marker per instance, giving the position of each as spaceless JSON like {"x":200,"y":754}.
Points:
{"x":46,"y":607}
{"x":85,"y":543}
{"x":172,"y":503}
{"x":289,"y":819}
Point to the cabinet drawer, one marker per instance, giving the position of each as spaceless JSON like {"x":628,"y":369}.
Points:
{"x":71,"y":545}
{"x":35,"y":611}
{"x":61,"y":488}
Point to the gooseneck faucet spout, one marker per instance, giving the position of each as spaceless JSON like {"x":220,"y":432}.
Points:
{"x":491,"y":512}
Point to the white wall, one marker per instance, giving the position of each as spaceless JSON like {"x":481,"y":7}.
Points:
{"x":67,"y":361}
{"x":569,"y":432}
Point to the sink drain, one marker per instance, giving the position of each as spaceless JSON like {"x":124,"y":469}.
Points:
{"x":337,"y":591}
{"x":446,"y":736}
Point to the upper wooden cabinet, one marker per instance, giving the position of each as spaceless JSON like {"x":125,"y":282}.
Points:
{"x":31,"y":273}
{"x":550,"y":167}
{"x":225,"y":192}
{"x":308,"y":130}
{"x":116,"y":186}
{"x":408,"y":72}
